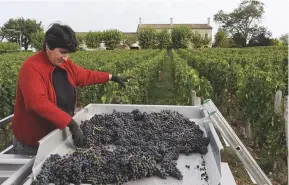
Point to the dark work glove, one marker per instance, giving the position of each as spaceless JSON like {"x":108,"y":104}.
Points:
{"x":120,"y":80}
{"x":77,"y":134}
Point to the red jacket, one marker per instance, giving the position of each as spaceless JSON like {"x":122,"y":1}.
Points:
{"x":35,"y":112}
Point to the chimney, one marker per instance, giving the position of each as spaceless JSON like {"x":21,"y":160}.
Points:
{"x":209,"y":21}
{"x":171,"y":21}
{"x":140,"y":20}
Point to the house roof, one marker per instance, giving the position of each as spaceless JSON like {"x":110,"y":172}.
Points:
{"x":157,"y":26}
{"x":169,"y":26}
{"x":83,"y":34}
{"x":129,"y":33}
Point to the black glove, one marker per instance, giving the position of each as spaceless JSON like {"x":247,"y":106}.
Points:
{"x":77,"y":134}
{"x":120,"y":80}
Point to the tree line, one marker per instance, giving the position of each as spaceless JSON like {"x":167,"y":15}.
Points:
{"x":148,"y":38}
{"x":242,"y":28}
{"x":239,"y":28}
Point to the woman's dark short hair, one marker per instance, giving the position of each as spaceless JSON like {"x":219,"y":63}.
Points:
{"x":60,"y":36}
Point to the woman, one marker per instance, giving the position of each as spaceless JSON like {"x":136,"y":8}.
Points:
{"x":46,"y":91}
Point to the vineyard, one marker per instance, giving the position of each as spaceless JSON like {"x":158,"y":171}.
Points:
{"x":241,"y":82}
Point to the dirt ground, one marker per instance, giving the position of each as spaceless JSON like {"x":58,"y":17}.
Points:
{"x":239,"y":172}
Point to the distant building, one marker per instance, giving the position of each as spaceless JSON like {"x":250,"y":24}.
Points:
{"x":203,"y":29}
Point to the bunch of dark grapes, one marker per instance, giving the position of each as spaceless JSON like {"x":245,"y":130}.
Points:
{"x":140,"y":140}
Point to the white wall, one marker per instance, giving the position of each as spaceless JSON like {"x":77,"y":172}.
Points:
{"x":204,"y":31}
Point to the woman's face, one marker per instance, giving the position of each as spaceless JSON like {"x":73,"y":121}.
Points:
{"x":57,"y":55}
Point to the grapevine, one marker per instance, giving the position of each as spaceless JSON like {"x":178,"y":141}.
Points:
{"x":244,"y":82}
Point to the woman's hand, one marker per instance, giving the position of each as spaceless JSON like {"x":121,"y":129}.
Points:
{"x":77,"y":133}
{"x":120,"y":80}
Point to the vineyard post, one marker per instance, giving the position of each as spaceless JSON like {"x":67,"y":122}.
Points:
{"x":249,"y":130}
{"x":193,"y":94}
{"x":277,"y":110}
{"x":286,"y":127}
{"x":277,"y":104}
{"x":20,"y":42}
{"x":195,"y":100}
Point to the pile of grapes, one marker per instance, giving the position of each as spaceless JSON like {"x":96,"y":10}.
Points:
{"x":126,"y":146}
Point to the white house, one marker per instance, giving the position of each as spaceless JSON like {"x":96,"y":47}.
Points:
{"x":203,"y":29}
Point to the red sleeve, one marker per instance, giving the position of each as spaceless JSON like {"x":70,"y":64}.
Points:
{"x":33,"y":90}
{"x":85,"y":77}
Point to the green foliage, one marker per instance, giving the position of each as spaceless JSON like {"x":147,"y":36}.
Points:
{"x":257,"y":97}
{"x":115,"y":62}
{"x":10,"y":64}
{"x":239,"y":40}
{"x":275,"y":42}
{"x":221,"y":39}
{"x":130,"y":39}
{"x":80,"y":40}
{"x":240,"y":81}
{"x":147,"y":38}
{"x":9,"y":46}
{"x":163,"y":39}
{"x":2,"y":35}
{"x":187,"y":79}
{"x":284,"y":39}
{"x":112,"y":38}
{"x":93,"y":39}
{"x":244,"y":84}
{"x":243,"y":21}
{"x":14,"y":28}
{"x":37,"y":40}
{"x":274,"y":145}
{"x":181,"y":36}
{"x":198,"y":40}
{"x":142,"y":83}
{"x":261,"y":38}
{"x":205,"y":89}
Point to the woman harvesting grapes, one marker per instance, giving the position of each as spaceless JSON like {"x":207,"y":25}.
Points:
{"x":46,"y":91}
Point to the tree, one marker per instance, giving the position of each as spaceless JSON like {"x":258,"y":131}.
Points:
{"x":2,"y":35}
{"x":12,"y":35}
{"x":80,"y":40}
{"x":275,"y":42}
{"x":8,"y":46}
{"x":20,"y":29}
{"x":238,"y":40}
{"x":262,"y":38}
{"x":181,"y":36}
{"x":163,"y":39}
{"x":147,"y":38}
{"x":112,"y":38}
{"x":284,"y":39}
{"x":37,"y":40}
{"x":93,"y":39}
{"x":130,"y":39}
{"x":198,"y":40}
{"x":222,"y":39}
{"x":243,"y":21}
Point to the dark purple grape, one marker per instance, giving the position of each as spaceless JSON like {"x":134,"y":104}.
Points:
{"x":142,"y":141}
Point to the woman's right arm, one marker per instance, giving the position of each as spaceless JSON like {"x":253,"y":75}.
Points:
{"x":33,"y":90}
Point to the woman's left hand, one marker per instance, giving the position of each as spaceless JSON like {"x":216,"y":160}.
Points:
{"x":120,"y":80}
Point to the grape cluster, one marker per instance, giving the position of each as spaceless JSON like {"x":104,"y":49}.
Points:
{"x":126,"y":146}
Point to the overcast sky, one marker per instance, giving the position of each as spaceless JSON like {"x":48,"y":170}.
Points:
{"x":124,"y":15}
